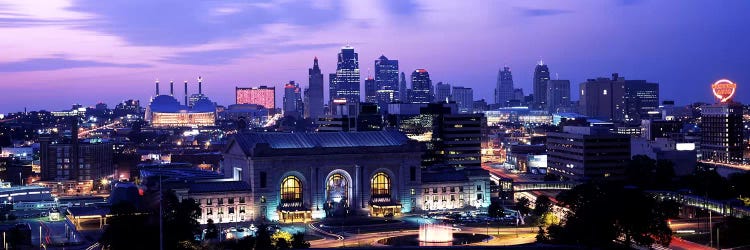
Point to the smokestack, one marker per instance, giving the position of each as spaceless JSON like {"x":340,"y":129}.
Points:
{"x":186,"y":99}
{"x":200,"y":85}
{"x":157,"y":87}
{"x":171,"y":88}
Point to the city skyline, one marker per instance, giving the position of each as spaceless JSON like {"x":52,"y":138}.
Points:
{"x":62,"y":49}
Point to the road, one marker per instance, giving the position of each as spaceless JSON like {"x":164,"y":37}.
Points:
{"x":501,"y":236}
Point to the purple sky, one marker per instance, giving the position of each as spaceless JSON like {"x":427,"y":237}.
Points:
{"x":59,"y":52}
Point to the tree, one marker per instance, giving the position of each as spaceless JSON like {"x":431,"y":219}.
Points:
{"x":541,"y":236}
{"x":180,"y":219}
{"x":263,"y":238}
{"x":647,"y":173}
{"x":282,"y":244}
{"x":542,"y":205}
{"x":495,"y":209}
{"x":299,"y":242}
{"x":709,"y":183}
{"x":599,"y":214}
{"x":523,"y":205}
{"x":740,"y":183}
{"x":120,"y":232}
{"x":547,"y":219}
{"x":211,"y":231}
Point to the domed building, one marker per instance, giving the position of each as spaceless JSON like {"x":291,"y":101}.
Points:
{"x":166,"y":111}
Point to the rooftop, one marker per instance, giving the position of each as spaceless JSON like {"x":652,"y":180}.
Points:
{"x":322,"y":140}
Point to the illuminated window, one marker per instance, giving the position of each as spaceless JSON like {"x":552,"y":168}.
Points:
{"x":381,"y":185}
{"x":291,"y":189}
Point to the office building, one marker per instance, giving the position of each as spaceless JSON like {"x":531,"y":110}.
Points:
{"x":84,"y":160}
{"x":517,"y":96}
{"x":641,"y":100}
{"x":683,"y":156}
{"x":652,"y":129}
{"x":421,"y":87}
{"x":617,"y":99}
{"x":263,"y":95}
{"x":314,"y":104}
{"x":722,"y":132}
{"x":403,"y":91}
{"x":558,"y":95}
{"x":586,"y":153}
{"x":504,"y":90}
{"x":464,"y":98}
{"x":292,"y":105}
{"x":443,"y":92}
{"x":541,"y":76}
{"x":371,"y":90}
{"x":387,"y":82}
{"x":344,"y":84}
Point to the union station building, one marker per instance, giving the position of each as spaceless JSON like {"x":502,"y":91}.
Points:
{"x":297,"y":177}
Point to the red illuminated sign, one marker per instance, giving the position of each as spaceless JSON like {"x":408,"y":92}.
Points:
{"x":724,"y":89}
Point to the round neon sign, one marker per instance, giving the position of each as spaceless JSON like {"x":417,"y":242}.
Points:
{"x":724,"y":89}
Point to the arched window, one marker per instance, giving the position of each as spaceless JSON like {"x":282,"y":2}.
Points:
{"x":337,"y":188}
{"x":381,"y":185}
{"x":291,"y":189}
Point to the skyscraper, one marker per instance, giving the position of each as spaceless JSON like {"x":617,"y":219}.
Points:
{"x":421,"y":87}
{"x":443,"y":92}
{"x":371,"y":90}
{"x":403,"y":93}
{"x":263,"y":95}
{"x":558,"y":95}
{"x":617,"y":99}
{"x":386,"y":78}
{"x":504,"y":90}
{"x":345,"y":83}
{"x":464,"y":98}
{"x":518,"y":95}
{"x":292,"y":100}
{"x":641,"y":98}
{"x":541,"y":76}
{"x":314,"y":97}
{"x":721,"y":126}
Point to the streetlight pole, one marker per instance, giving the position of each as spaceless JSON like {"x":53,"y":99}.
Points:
{"x":161,"y":217}
{"x":710,"y":230}
{"x":40,"y":236}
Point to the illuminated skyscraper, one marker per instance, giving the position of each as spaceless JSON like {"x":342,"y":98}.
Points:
{"x":345,"y":83}
{"x":386,"y":82}
{"x":541,"y":76}
{"x":504,"y":89}
{"x":263,"y":95}
{"x":314,"y":97}
{"x":421,"y":87}
{"x":292,"y":100}
{"x":371,"y":90}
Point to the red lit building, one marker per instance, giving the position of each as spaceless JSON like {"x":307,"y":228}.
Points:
{"x":263,"y":95}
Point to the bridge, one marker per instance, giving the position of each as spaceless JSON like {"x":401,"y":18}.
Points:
{"x":507,"y":187}
{"x":543,"y":186}
{"x":716,"y":206}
